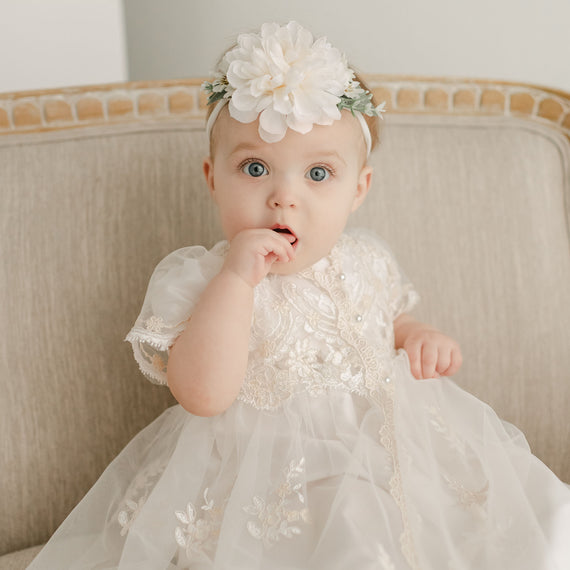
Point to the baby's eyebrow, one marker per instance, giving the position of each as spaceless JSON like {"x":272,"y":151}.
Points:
{"x":326,"y":155}
{"x":244,"y":146}
{"x":313,"y":155}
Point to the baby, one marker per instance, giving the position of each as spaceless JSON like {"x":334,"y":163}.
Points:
{"x":304,"y":438}
{"x":283,"y":206}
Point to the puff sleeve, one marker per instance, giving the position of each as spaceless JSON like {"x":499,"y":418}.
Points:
{"x":399,"y":293}
{"x":173,"y":290}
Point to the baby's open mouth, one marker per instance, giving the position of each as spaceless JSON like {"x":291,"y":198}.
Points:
{"x":287,"y":233}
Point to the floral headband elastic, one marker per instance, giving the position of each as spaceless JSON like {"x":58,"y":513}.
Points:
{"x":289,"y":81}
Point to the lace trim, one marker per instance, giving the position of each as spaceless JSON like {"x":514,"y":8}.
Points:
{"x":441,"y":427}
{"x":388,"y":439}
{"x":151,"y":343}
{"x":137,"y":495}
{"x":381,"y":390}
{"x":151,"y":359}
{"x":155,"y":332}
{"x":273,"y":520}
{"x":470,"y":500}
{"x":137,"y":335}
{"x":199,"y":533}
{"x":198,"y":529}
{"x":473,"y":500}
{"x":349,"y":324}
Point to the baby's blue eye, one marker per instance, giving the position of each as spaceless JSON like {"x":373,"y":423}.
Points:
{"x":318,"y":173}
{"x":254,"y":169}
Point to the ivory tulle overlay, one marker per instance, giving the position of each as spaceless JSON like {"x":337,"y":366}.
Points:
{"x":332,"y":457}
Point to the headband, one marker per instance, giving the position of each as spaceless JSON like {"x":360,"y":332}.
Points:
{"x":287,"y":80}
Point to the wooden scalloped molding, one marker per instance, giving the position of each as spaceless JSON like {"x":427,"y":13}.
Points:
{"x":36,"y":111}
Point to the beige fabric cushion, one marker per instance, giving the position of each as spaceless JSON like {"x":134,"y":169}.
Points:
{"x":20,"y":559}
{"x":474,"y":209}
{"x":85,"y":218}
{"x":477,"y":211}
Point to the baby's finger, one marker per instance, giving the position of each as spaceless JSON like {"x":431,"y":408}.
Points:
{"x":456,"y":362}
{"x":276,"y":255}
{"x":429,"y":360}
{"x":414,"y":352}
{"x":283,"y":248}
{"x":443,"y":361}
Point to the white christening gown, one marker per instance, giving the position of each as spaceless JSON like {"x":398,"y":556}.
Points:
{"x":333,"y":457}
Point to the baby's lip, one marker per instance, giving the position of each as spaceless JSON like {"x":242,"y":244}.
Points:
{"x":287,"y":232}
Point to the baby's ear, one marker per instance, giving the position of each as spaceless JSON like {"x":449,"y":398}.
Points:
{"x":364,"y":180}
{"x":208,"y":169}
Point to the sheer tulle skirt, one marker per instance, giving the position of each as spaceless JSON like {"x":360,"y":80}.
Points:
{"x":421,"y":475}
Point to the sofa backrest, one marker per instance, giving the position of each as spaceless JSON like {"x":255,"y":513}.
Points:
{"x":98,"y":184}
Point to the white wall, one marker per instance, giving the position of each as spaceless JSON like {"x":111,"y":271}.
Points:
{"x":520,"y":40}
{"x":54,"y":43}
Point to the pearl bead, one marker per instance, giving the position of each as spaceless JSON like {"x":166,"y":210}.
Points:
{"x":387,"y":380}
{"x":358,"y":318}
{"x":342,"y":276}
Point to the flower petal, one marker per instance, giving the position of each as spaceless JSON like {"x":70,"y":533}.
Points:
{"x":243,"y":100}
{"x":246,"y":116}
{"x":281,"y":101}
{"x":181,"y":516}
{"x":179,"y":536}
{"x":272,"y":126}
{"x":299,"y":125}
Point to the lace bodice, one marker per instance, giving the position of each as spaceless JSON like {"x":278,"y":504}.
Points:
{"x":329,"y":327}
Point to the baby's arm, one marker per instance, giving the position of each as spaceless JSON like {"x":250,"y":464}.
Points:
{"x":431,"y":353}
{"x":207,"y":363}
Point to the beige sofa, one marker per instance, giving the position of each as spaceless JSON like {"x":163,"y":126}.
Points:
{"x":471,"y":189}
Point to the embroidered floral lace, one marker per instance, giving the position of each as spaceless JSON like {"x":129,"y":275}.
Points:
{"x":327,"y":328}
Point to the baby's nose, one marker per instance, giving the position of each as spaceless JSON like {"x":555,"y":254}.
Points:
{"x":283,"y":196}
{"x":282,"y":203}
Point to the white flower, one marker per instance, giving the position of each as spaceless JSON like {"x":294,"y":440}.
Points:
{"x":354,"y":90}
{"x":286,"y":78}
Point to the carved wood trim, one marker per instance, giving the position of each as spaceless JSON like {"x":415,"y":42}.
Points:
{"x":67,"y":108}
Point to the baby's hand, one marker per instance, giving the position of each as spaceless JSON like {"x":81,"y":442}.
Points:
{"x":254,"y":251}
{"x":431,"y":353}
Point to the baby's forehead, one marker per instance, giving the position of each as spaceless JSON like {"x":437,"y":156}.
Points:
{"x":341,"y":137}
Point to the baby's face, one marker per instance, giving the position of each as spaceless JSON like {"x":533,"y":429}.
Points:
{"x":304,"y":184}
